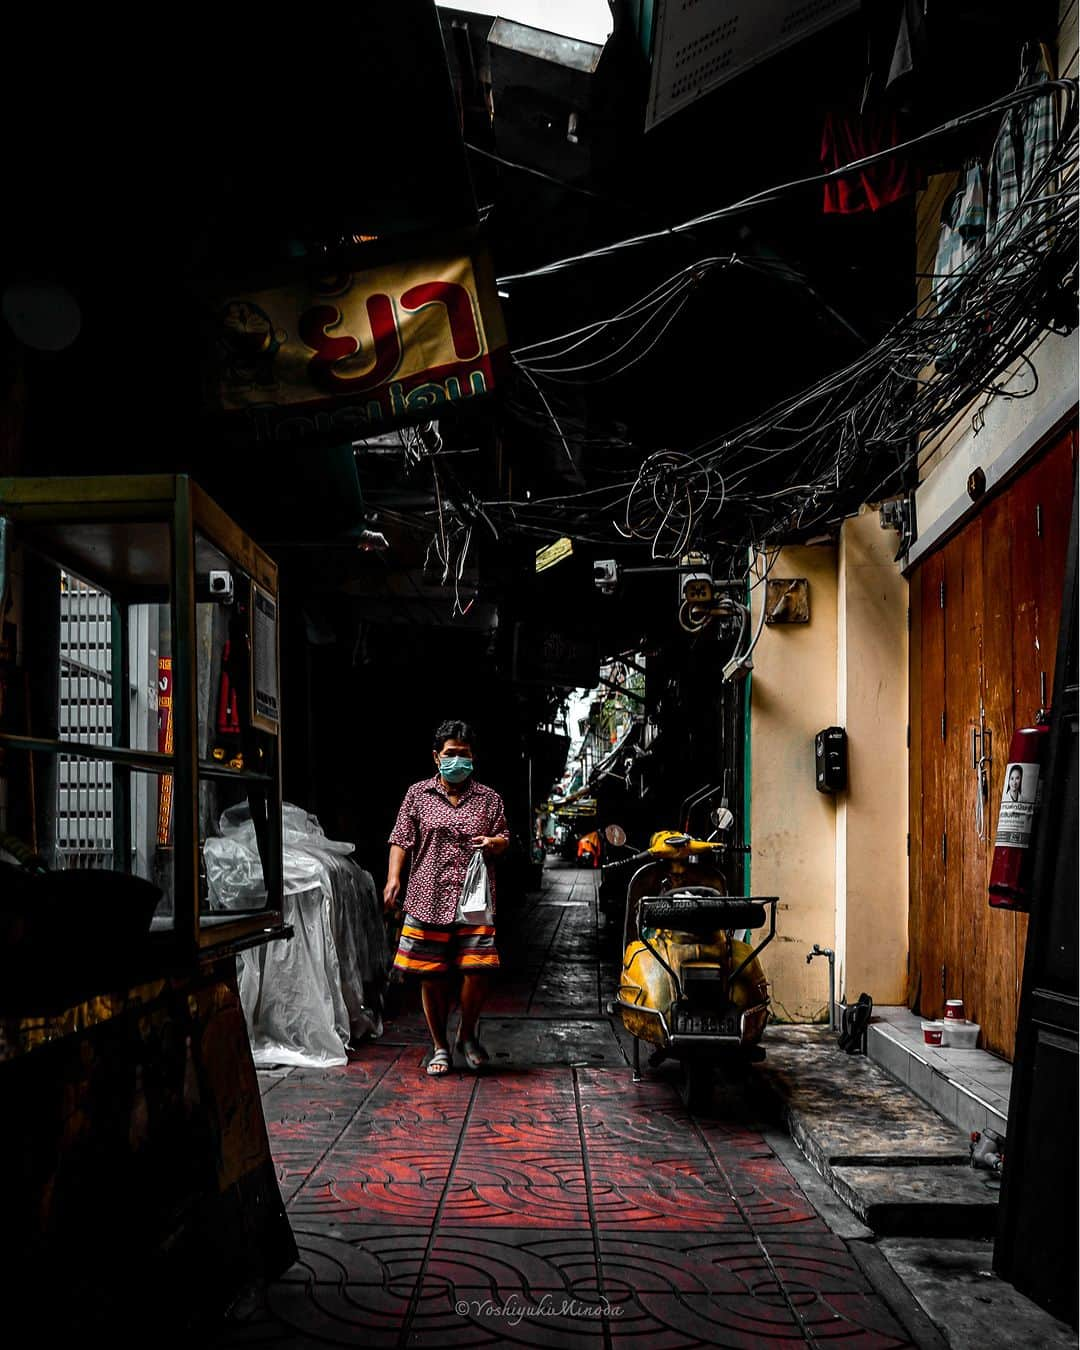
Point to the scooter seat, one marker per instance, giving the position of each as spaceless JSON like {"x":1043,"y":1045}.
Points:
{"x":700,"y":909}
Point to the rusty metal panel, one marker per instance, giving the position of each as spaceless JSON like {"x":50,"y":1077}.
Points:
{"x":787,"y":600}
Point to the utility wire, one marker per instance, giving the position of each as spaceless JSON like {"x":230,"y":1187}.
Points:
{"x":773,"y":194}
{"x":549,"y":178}
{"x":917,"y":380}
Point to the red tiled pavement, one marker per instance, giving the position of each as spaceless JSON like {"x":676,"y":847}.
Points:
{"x":546,"y":1202}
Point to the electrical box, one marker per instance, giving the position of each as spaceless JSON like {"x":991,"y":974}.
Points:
{"x":787,"y":600}
{"x":830,"y":759}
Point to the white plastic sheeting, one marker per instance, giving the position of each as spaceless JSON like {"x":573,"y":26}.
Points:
{"x":303,"y":999}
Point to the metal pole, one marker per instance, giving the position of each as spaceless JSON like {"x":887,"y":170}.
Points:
{"x":185,"y":725}
{"x":121,"y":734}
{"x":818,"y":950}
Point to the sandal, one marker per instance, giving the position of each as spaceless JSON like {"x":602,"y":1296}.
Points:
{"x":439,"y":1063}
{"x":476,"y":1057}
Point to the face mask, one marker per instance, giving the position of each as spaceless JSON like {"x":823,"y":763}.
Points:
{"x":455,"y":768}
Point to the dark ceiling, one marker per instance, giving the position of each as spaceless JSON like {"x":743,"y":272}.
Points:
{"x":143,"y":159}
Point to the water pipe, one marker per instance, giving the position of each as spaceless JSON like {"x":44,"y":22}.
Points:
{"x":827,"y":951}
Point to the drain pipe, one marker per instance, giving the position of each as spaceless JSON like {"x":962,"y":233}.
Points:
{"x":827,"y":951}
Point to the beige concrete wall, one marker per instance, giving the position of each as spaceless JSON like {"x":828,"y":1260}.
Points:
{"x":838,"y":864}
{"x":792,"y":825}
{"x":872,"y":815}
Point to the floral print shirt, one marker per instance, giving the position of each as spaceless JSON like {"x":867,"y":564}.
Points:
{"x":435,"y":834}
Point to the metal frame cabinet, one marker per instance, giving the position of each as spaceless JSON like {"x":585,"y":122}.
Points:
{"x":151,"y":540}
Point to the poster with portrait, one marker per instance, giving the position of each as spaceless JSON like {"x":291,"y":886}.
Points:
{"x":1018,"y":801}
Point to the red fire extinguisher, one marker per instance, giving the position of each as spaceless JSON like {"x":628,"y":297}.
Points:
{"x":227,"y":745}
{"x":1010,"y":876}
{"x":228,"y":716}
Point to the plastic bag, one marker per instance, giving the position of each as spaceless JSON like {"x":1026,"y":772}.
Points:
{"x":304,"y":1000}
{"x":475,"y":893}
{"x":291,"y":991}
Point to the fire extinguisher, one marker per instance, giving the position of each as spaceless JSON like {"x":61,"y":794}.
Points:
{"x":1010,"y":875}
{"x":227,"y":747}
{"x":228,"y":717}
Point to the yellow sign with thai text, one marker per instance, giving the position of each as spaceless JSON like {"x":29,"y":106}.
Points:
{"x":353,"y":351}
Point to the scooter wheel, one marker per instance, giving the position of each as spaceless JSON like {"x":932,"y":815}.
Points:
{"x":696,"y":1086}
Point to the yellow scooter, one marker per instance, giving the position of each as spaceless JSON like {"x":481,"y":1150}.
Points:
{"x":689,"y":986}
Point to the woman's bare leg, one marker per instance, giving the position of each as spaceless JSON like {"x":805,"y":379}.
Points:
{"x":435,"y":996}
{"x":474,"y":987}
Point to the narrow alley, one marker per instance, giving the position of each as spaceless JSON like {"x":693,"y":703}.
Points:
{"x":540,"y":675}
{"x":548,"y":1201}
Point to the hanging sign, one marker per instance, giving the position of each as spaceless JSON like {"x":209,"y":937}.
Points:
{"x":543,"y":656}
{"x":350,"y":352}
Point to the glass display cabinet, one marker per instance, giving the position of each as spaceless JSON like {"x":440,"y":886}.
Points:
{"x":139,"y":718}
{"x":144,"y":704}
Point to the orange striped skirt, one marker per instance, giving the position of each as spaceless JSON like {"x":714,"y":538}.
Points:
{"x":435,"y":949}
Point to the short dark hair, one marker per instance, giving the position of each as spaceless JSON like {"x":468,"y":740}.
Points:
{"x":453,"y":731}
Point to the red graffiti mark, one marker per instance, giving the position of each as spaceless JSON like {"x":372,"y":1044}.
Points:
{"x":459,"y":311}
{"x":330,"y":350}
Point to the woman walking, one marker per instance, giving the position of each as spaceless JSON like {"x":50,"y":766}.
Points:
{"x":442,"y":822}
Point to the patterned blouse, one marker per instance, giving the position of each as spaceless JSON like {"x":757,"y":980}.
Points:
{"x":436,"y":836}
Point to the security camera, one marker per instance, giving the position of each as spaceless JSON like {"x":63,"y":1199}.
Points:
{"x":606,"y":575}
{"x":222,"y":587}
{"x":695,"y":580}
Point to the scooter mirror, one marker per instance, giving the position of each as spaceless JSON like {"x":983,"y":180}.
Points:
{"x":723,"y":819}
{"x":615,"y":835}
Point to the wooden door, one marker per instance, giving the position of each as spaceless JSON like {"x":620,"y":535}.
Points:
{"x":997,"y":932}
{"x":927,"y":915}
{"x":985,"y":617}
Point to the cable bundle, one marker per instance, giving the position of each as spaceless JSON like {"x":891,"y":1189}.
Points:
{"x":665,"y":502}
{"x":828,"y":445}
{"x":650,"y":316}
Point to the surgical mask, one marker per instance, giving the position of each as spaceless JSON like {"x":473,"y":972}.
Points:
{"x":454,"y":768}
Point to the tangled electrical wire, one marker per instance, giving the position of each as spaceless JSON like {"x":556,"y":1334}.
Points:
{"x":455,"y":519}
{"x":609,"y":347}
{"x":648,"y":318}
{"x":670,"y":492}
{"x":859,"y":430}
{"x":420,"y":442}
{"x":450,"y":546}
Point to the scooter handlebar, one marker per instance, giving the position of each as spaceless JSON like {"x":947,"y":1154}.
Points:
{"x":624,"y":862}
{"x":651,"y":855}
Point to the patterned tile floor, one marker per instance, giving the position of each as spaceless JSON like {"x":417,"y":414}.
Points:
{"x":549,"y":1201}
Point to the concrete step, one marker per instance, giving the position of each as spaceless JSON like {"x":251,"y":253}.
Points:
{"x":895,"y":1162}
{"x":914,"y":1201}
{"x":968,"y":1087}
